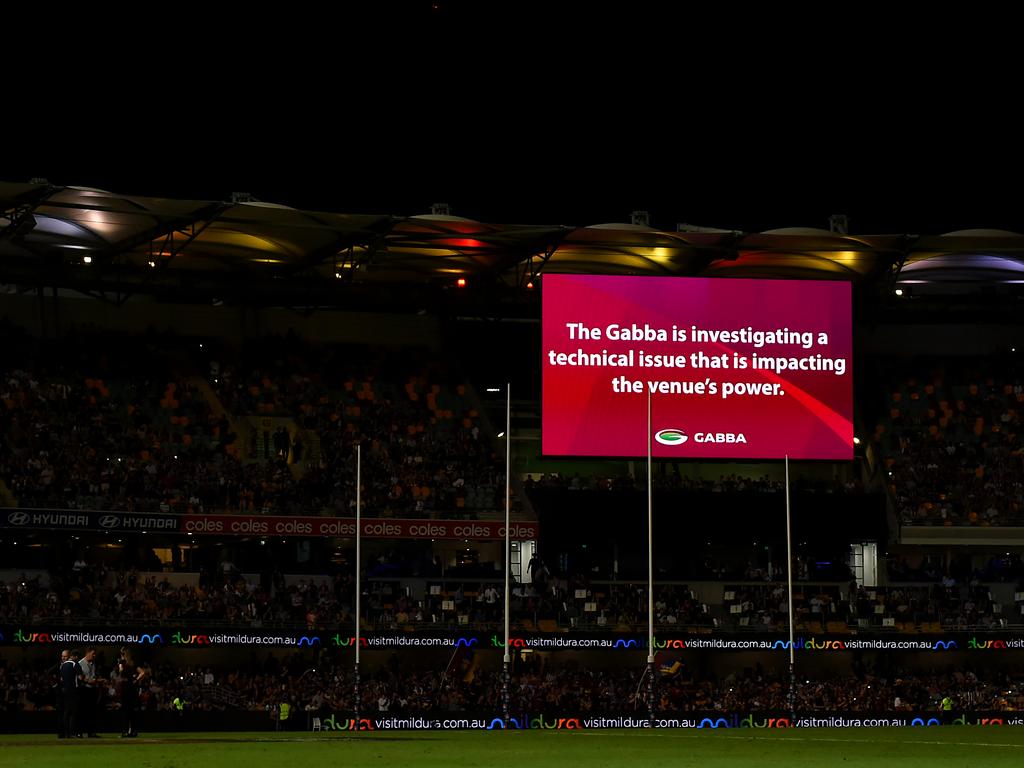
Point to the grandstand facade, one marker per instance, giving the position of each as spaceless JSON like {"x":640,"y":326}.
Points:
{"x":184,"y":383}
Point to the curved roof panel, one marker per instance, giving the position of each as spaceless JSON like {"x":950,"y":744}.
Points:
{"x":74,"y":236}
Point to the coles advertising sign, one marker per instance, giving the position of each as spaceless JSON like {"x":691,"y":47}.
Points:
{"x":373,"y":528}
{"x":261,"y":525}
{"x":735,"y":368}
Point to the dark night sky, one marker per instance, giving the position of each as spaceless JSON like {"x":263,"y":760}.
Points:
{"x":736,"y":121}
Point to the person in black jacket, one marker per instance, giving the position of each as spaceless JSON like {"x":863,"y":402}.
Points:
{"x":130,"y":676}
{"x":58,"y":692}
{"x":70,"y":674}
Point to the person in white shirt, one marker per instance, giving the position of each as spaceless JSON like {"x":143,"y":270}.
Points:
{"x":88,"y":694}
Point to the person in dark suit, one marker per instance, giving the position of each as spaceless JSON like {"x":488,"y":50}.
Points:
{"x":70,"y":675}
{"x":58,"y":692}
{"x":129,"y":676}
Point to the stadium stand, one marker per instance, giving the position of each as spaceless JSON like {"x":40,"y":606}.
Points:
{"x":251,"y":400}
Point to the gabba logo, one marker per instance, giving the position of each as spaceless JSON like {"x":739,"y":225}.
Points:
{"x":33,"y":637}
{"x":671,"y":436}
{"x":179,"y":639}
{"x":986,"y":644}
{"x":537,"y":723}
{"x":351,"y":724}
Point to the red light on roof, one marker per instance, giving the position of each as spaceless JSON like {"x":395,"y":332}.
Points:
{"x":461,"y":282}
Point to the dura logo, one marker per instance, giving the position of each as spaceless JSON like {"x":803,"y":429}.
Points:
{"x":671,"y":436}
{"x":557,"y":723}
{"x":17,"y":518}
{"x":513,"y":642}
{"x":33,"y":637}
{"x":344,"y":642}
{"x":810,"y":644}
{"x":669,"y":643}
{"x":351,"y":724}
{"x":962,"y":720}
{"x":179,"y":639}
{"x":975,"y":644}
{"x":747,"y":722}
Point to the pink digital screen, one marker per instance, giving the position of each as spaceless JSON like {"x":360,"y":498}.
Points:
{"x":735,"y":368}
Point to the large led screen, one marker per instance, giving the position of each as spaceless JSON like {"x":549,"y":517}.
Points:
{"x":736,"y":368}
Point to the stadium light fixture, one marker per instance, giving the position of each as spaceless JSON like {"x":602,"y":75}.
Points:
{"x":856,"y":440}
{"x":87,"y":259}
{"x":898,"y":291}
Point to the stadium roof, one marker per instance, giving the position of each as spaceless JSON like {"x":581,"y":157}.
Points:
{"x":118,"y":246}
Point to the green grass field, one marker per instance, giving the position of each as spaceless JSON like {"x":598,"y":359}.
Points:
{"x":963,"y":746}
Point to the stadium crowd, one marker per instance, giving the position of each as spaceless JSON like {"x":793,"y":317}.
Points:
{"x":535,"y":687}
{"x":953,"y":443}
{"x":550,"y":602}
{"x":88,"y":426}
